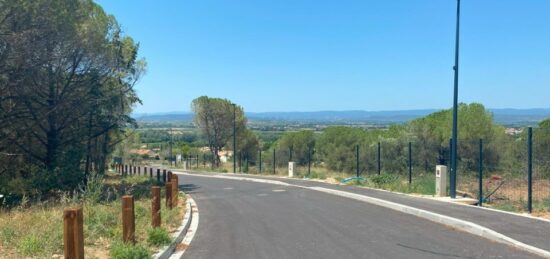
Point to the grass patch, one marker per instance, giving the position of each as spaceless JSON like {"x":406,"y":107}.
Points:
{"x":158,"y":237}
{"x":121,"y":250}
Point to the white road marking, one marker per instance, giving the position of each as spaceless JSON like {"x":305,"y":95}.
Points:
{"x":279,"y":190}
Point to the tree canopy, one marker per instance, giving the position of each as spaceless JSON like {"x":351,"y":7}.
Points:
{"x":67,"y":74}
{"x":215,"y":118}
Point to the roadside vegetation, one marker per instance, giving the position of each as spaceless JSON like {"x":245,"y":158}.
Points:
{"x":332,"y":152}
{"x":35,"y":229}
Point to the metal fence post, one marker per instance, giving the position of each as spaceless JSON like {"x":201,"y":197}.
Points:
{"x":480,"y":194}
{"x":247,"y":160}
{"x":260,"y":163}
{"x":379,"y":165}
{"x":410,"y":163}
{"x":308,"y":161}
{"x":357,"y":161}
{"x":240,"y":161}
{"x":274,"y":162}
{"x":530,"y":169}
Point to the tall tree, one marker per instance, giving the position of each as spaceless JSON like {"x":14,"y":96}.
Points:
{"x":215,"y":117}
{"x":66,"y":84}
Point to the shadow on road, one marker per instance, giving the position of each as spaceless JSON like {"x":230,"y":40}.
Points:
{"x":189,"y":188}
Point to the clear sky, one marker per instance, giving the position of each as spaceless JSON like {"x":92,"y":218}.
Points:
{"x":308,"y":55}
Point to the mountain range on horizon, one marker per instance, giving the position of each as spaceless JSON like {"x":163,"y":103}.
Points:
{"x":505,"y":116}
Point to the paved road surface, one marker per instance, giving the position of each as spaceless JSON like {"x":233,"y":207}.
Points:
{"x":240,"y":219}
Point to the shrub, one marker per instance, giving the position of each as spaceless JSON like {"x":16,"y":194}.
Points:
{"x":121,"y":250}
{"x":158,"y":236}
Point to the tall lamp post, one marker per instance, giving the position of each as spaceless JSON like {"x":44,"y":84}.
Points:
{"x":234,"y":138}
{"x":452,"y":182}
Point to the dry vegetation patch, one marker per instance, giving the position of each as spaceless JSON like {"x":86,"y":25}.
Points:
{"x":36,"y":230}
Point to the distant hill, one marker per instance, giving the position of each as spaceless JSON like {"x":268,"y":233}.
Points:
{"x":508,"y":117}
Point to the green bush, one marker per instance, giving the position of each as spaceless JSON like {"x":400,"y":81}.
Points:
{"x":158,"y":236}
{"x":121,"y":250}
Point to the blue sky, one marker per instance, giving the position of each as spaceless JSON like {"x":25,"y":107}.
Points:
{"x":307,"y":55}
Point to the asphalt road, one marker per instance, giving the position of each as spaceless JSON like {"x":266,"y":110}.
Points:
{"x":240,"y":219}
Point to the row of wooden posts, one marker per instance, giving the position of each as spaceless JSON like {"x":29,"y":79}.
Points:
{"x":73,"y":232}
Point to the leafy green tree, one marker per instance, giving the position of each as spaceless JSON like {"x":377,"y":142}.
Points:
{"x":336,"y":147}
{"x":214,"y":117}
{"x":300,"y":142}
{"x":67,"y":77}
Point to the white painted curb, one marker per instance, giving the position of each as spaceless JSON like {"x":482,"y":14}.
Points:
{"x":167,"y":250}
{"x":459,"y":224}
{"x":190,"y":232}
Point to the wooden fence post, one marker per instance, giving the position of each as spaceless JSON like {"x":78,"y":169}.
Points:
{"x":174,"y":183}
{"x":73,"y":233}
{"x":169,"y":176}
{"x":175,"y":178}
{"x":128,"y":219}
{"x":169,"y":195}
{"x":164,"y":175}
{"x":155,"y":206}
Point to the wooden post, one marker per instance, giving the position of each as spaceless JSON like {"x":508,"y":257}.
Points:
{"x":128,"y":219}
{"x":169,"y":195}
{"x":164,"y":175}
{"x":150,"y":172}
{"x":125,"y":170}
{"x":158,"y":175}
{"x":145,"y":171}
{"x":73,"y":233}
{"x":139,"y":170}
{"x":169,"y":176}
{"x":155,"y":206}
{"x":175,"y":178}
{"x":174,"y":183}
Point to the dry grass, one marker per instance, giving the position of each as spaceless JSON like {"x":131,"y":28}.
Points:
{"x":37,"y":230}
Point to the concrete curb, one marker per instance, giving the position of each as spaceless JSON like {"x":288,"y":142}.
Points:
{"x":186,"y":242}
{"x":166,"y":251}
{"x":458,"y":224}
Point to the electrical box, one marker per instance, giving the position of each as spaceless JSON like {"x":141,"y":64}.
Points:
{"x":291,"y":166}
{"x":440,"y":180}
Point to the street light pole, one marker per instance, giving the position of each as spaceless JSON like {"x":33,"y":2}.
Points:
{"x":452,"y":187}
{"x":234,"y":138}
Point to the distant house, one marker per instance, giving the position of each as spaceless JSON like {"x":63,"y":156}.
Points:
{"x":513,"y":131}
{"x":225,"y":155}
{"x":143,"y":152}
